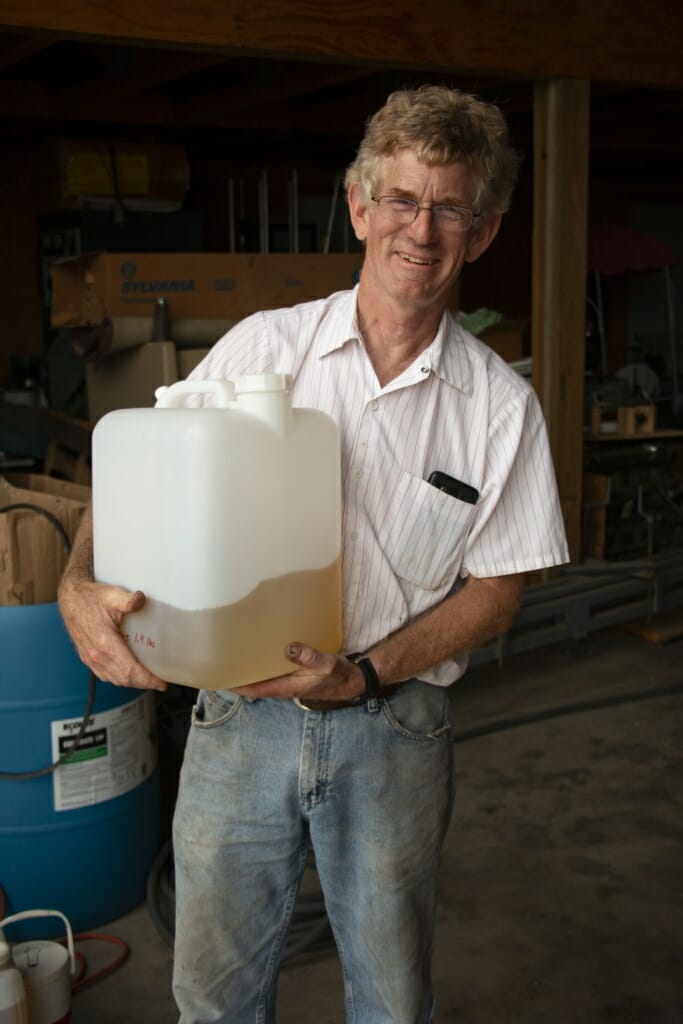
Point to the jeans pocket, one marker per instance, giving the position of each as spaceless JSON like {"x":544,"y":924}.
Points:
{"x":418,"y":711}
{"x":214,"y":708}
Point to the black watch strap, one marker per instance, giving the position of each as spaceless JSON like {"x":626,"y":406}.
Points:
{"x":373,"y":687}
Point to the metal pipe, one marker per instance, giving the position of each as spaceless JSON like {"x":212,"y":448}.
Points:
{"x":263,"y":210}
{"x":333,"y":210}
{"x":293,"y":207}
{"x":231,"y":215}
{"x":676,"y":401}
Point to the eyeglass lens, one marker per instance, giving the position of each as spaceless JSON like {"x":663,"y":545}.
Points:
{"x":406,"y":211}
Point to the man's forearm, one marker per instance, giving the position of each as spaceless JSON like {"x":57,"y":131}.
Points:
{"x":93,"y":614}
{"x":79,"y":568}
{"x":482,"y":610}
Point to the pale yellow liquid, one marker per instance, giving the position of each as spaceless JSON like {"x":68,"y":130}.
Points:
{"x":219,"y":648}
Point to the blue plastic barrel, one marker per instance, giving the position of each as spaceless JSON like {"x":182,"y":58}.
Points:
{"x":90,"y":860}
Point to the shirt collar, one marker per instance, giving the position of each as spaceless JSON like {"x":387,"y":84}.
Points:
{"x":446,"y":356}
{"x":341,"y":326}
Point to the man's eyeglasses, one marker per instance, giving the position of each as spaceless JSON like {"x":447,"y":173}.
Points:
{"x":404,"y":211}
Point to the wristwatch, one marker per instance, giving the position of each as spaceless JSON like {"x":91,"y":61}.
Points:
{"x":373,"y":687}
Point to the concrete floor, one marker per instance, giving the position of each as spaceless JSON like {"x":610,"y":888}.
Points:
{"x":562,"y":880}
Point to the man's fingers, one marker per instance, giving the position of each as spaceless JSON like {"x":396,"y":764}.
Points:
{"x":302,"y":655}
{"x":97,"y":613}
{"x":135,"y":602}
{"x":120,"y":602}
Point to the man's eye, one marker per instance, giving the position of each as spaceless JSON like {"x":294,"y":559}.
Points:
{"x":454,"y":213}
{"x":401,"y":204}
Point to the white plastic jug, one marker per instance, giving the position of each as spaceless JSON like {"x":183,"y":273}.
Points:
{"x":228,"y":517}
{"x":47,"y":969}
{"x":13,"y":1000}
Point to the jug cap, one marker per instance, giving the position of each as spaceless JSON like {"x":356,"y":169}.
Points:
{"x":255,"y":382}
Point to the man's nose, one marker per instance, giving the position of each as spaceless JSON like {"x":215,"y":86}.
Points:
{"x":424,"y":225}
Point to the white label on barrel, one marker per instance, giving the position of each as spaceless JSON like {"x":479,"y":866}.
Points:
{"x":116,"y":754}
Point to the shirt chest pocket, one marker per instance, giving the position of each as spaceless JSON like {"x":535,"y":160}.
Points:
{"x":423,"y":533}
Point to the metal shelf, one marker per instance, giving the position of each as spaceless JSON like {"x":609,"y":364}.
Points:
{"x":587,"y":598}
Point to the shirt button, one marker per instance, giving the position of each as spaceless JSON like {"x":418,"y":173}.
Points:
{"x":374,"y":405}
{"x":424,"y":369}
{"x":358,"y":473}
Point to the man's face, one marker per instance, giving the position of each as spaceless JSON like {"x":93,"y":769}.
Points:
{"x":415,"y":265}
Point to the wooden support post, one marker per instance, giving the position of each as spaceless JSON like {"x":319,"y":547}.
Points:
{"x":561,"y":122}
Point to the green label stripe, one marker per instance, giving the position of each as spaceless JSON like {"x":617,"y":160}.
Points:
{"x":86,"y":755}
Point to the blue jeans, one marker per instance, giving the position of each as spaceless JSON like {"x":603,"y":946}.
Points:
{"x":371,"y":789}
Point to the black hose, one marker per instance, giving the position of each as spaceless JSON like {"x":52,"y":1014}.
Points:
{"x":567,"y":709}
{"x":38,"y":773}
{"x":43,"y":512}
{"x":48,"y":769}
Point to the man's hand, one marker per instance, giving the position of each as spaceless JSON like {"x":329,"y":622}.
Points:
{"x":93,"y":613}
{"x":320,"y":677}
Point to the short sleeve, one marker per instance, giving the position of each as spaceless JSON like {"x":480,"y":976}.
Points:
{"x":519,"y":525}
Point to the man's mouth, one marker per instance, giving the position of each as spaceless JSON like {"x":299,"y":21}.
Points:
{"x":420,"y":261}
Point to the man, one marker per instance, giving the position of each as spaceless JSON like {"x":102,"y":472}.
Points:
{"x":353,"y":754}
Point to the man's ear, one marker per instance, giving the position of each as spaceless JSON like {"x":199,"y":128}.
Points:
{"x":482,"y":235}
{"x":358,"y":211}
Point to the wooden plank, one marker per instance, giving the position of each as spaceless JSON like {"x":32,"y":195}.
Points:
{"x":14,"y":49}
{"x":561,"y":116}
{"x":661,"y":628}
{"x":652,"y":436}
{"x":616,"y":41}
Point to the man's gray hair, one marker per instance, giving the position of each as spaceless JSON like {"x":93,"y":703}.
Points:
{"x":441,"y":126}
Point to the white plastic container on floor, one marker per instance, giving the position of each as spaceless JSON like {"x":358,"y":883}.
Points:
{"x":47,"y":969}
{"x":228,"y":518}
{"x":13,"y":1003}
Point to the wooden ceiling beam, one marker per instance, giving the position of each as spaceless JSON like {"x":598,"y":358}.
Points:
{"x":24,"y":99}
{"x":15,"y":48}
{"x":620,"y":40}
{"x":288,"y":82}
{"x":19,"y":99}
{"x":144,"y":71}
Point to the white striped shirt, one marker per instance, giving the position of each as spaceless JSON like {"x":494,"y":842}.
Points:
{"x":457,"y":408}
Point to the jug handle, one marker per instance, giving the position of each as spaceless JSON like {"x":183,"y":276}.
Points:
{"x":27,"y":915}
{"x":171,"y":397}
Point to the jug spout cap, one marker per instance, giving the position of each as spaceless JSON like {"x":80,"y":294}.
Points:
{"x":260,"y":383}
{"x":268,"y":397}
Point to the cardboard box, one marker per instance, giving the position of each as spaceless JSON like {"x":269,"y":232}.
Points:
{"x":91,"y":288}
{"x":509,"y":338}
{"x":623,"y":421}
{"x":128,"y":379}
{"x":33,"y":552}
{"x":636,"y":419}
{"x":188,"y":358}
